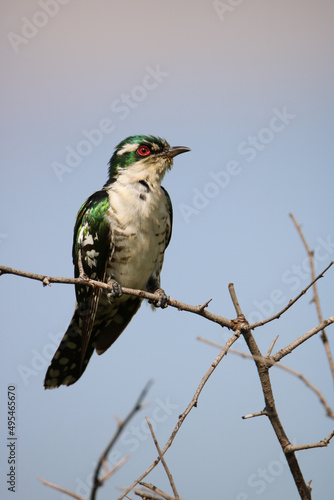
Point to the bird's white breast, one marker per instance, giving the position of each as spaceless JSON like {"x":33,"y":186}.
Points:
{"x":139,"y":218}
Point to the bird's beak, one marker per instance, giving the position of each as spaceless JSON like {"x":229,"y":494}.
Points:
{"x":176,"y":150}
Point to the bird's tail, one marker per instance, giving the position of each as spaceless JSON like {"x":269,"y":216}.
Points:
{"x":67,"y":366}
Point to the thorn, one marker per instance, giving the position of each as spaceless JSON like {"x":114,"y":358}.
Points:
{"x":46,"y":281}
{"x":271,"y":347}
{"x":119,"y":421}
{"x":203,"y":306}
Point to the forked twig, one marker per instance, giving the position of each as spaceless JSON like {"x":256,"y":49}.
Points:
{"x":169,"y":475}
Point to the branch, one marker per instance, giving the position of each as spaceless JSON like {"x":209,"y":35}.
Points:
{"x":291,"y":302}
{"x":151,"y":487}
{"x":309,"y":384}
{"x":192,"y":404}
{"x":97,"y":482}
{"x":316,"y":300}
{"x":47,"y":280}
{"x":321,"y":444}
{"x":169,"y":475}
{"x":59,"y":488}
{"x":270,"y":407}
{"x":286,"y":350}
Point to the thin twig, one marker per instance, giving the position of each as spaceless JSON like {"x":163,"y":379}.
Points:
{"x":97,"y":481}
{"x":316,"y":300}
{"x":169,"y":475}
{"x":291,"y":302}
{"x":309,"y":384}
{"x":59,"y":488}
{"x":286,"y":350}
{"x":271,"y":347}
{"x":156,"y":490}
{"x":148,"y":496}
{"x":191,"y":405}
{"x":321,"y":444}
{"x":47,"y":280}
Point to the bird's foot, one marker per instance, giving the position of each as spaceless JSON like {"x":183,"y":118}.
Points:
{"x":116,"y":289}
{"x":162,"y":301}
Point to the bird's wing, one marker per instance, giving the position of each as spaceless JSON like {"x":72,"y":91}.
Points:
{"x":91,"y":251}
{"x":170,"y":213}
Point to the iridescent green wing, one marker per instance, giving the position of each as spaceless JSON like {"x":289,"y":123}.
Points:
{"x":170,"y":212}
{"x":91,"y":251}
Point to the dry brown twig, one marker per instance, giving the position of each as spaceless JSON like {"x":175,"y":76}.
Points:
{"x":59,"y":488}
{"x":316,"y":300}
{"x":156,"y":490}
{"x":169,"y":475}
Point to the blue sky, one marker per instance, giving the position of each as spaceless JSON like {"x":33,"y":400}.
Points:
{"x":248,"y":86}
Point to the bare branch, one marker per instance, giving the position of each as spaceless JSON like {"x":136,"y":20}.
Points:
{"x":235,"y":300}
{"x":286,"y":350}
{"x":291,"y":302}
{"x":46,"y":280}
{"x":59,"y":488}
{"x":169,"y":475}
{"x":321,"y":444}
{"x":156,"y":490}
{"x":145,"y":496}
{"x":309,"y":384}
{"x":192,"y":404}
{"x":270,"y":407}
{"x":323,"y":335}
{"x":98,"y":481}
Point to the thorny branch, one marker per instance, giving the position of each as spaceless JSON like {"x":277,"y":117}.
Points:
{"x":309,"y":384}
{"x":240,"y":326}
{"x":98,"y":480}
{"x":47,"y":280}
{"x":169,"y":475}
{"x":270,"y":407}
{"x":182,"y":417}
{"x":291,"y":302}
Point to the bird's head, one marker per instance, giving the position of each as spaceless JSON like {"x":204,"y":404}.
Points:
{"x":143,"y":157}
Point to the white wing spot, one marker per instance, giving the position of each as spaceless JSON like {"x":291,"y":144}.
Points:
{"x":63,"y":361}
{"x":71,"y":345}
{"x":69,"y":379}
{"x":90,"y":257}
{"x":54,"y":373}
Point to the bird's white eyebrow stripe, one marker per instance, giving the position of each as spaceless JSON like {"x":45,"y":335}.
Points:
{"x":127,"y":148}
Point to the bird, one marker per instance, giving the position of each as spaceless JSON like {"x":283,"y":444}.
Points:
{"x":120,"y":237}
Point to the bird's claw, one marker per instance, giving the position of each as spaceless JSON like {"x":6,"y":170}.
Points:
{"x":162,"y":301}
{"x":116,"y":289}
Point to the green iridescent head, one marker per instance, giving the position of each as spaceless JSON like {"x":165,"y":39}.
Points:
{"x":142,"y":151}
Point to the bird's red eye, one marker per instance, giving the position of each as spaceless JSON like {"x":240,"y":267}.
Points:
{"x":143,"y":151}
